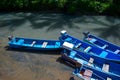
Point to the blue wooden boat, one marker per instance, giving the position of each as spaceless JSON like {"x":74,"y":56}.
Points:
{"x":86,"y":73}
{"x":88,"y":48}
{"x":34,"y":44}
{"x":99,"y":42}
{"x":101,"y":69}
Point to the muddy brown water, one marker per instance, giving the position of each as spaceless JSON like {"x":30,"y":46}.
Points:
{"x":27,"y":65}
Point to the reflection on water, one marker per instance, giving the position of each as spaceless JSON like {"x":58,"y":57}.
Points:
{"x":20,"y":65}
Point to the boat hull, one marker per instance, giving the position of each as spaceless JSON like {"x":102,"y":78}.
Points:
{"x":92,"y":50}
{"x":99,"y":42}
{"x":78,"y":64}
{"x":34,"y":44}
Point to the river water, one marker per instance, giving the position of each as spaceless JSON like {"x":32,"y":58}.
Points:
{"x":17,"y":65}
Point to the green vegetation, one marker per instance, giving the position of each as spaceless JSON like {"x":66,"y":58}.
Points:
{"x":67,"y":6}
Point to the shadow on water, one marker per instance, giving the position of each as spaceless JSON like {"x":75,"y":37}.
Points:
{"x":110,"y":27}
{"x":13,"y":20}
{"x":54,"y":21}
{"x":38,"y":20}
{"x":108,"y":31}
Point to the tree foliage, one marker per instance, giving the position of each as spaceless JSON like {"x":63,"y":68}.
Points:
{"x":67,"y":6}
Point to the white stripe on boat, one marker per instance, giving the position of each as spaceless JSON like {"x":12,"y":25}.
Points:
{"x":78,"y":45}
{"x":105,"y":67}
{"x":44,"y":44}
{"x":117,"y":51}
{"x":87,"y":49}
{"x":33,"y":43}
{"x":90,"y":62}
{"x":105,"y":46}
{"x":109,"y":78}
